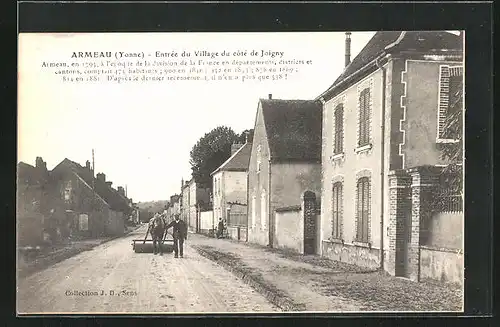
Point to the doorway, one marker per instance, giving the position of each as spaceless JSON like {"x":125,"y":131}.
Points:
{"x":310,"y":221}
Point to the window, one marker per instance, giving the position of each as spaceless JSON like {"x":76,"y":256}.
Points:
{"x":263,"y":215}
{"x":67,"y":195}
{"x":254,"y":209}
{"x":339,"y":130}
{"x":259,"y":157}
{"x":337,"y":210}
{"x":364,"y":118}
{"x":450,"y":99}
{"x":363,"y":209}
{"x":83,"y":223}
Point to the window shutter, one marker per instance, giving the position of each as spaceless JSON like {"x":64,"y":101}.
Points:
{"x":359,"y":212}
{"x":444,"y":88}
{"x":363,"y":209}
{"x":361,"y":115}
{"x":339,"y":125}
{"x":366,"y":208}
{"x":364,"y":114}
{"x":337,"y":203}
{"x":335,"y":210}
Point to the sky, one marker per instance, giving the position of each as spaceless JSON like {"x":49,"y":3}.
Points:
{"x":142,"y":133}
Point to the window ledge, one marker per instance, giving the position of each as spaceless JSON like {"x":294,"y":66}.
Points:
{"x":363,"y":148}
{"x":446,"y":141}
{"x":336,"y":240}
{"x":337,"y":157}
{"x":362,"y":244}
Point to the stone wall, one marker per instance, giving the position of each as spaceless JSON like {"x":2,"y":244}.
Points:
{"x":442,"y":264}
{"x":290,"y":228}
{"x":359,"y":255}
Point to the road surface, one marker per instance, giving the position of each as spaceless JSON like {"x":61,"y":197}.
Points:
{"x":113,"y":278}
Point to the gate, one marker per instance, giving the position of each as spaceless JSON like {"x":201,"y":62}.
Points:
{"x":403,"y":234}
{"x":310,"y":214}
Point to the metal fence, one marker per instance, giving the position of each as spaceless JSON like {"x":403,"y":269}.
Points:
{"x":237,"y":219}
{"x":449,"y":196}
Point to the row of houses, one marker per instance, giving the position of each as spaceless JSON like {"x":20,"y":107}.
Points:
{"x":353,"y":174}
{"x":69,"y":201}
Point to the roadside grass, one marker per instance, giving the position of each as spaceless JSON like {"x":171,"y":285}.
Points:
{"x":31,"y":263}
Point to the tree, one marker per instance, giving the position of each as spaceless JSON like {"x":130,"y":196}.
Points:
{"x":210,"y":152}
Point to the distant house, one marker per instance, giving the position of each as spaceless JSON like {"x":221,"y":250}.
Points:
{"x":230,"y":191}
{"x":383,"y":133}
{"x":173,"y":207}
{"x":194,"y":199}
{"x":285,"y":163}
{"x":40,"y":216}
{"x":184,"y":205}
{"x":95,"y":207}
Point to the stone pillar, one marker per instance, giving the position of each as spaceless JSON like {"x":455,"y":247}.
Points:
{"x":425,"y":179}
{"x":399,"y":206}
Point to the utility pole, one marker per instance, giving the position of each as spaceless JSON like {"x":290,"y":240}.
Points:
{"x":93,"y":186}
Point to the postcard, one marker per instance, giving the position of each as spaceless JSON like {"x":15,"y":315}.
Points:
{"x":188,"y":173}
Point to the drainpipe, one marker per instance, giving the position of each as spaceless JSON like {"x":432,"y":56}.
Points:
{"x":382,"y":164}
{"x":271,"y":226}
{"x":249,"y":224}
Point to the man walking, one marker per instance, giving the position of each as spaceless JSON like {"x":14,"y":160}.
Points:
{"x":179,"y":233}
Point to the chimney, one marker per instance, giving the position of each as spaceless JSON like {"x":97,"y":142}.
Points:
{"x":270,"y":96}
{"x":101,"y":177}
{"x":347,"y":48}
{"x":39,"y":163}
{"x":235,"y":147}
{"x":121,"y":190}
{"x":109,"y":183}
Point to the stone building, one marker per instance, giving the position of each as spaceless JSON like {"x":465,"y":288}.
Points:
{"x":230,"y":191}
{"x":92,"y":205}
{"x":383,"y":133}
{"x":284,"y":164}
{"x":194,"y":199}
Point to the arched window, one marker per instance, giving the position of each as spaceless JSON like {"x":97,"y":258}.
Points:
{"x":337,"y":211}
{"x":363,"y":209}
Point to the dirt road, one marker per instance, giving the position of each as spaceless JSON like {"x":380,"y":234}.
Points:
{"x":113,"y":278}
